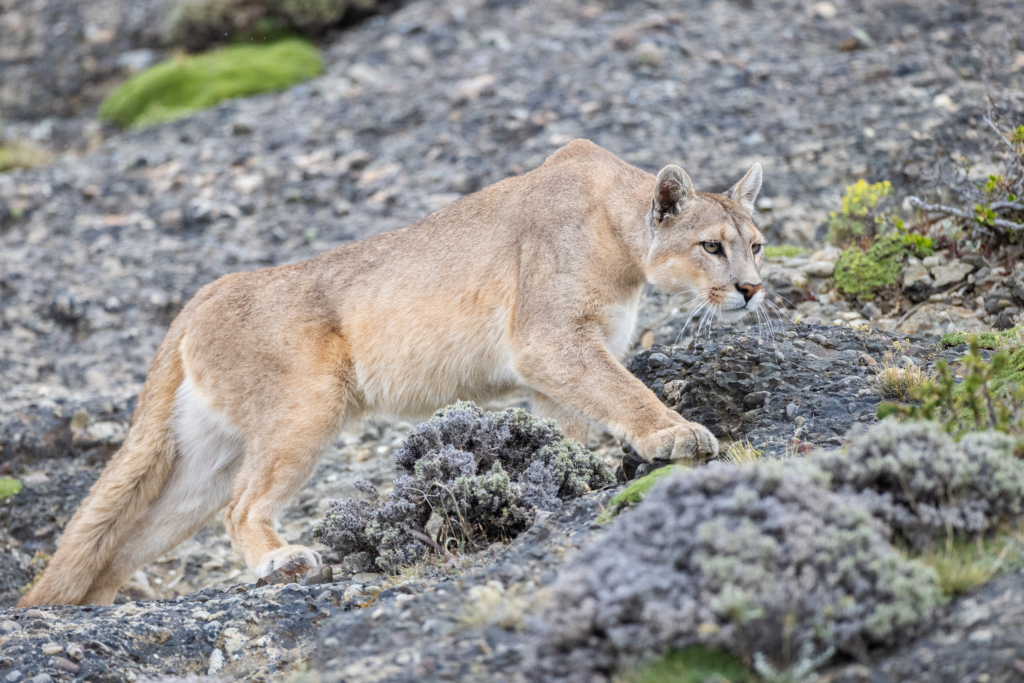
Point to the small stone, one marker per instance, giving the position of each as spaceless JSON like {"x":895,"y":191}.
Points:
{"x":865,"y":359}
{"x":791,"y":410}
{"x":35,"y":614}
{"x":65,"y":664}
{"x":982,"y":635}
{"x":754,"y":400}
{"x":9,"y":627}
{"x":52,"y":649}
{"x":820,"y":269}
{"x":648,"y":54}
{"x":42,"y":678}
{"x":811,"y":321}
{"x":954,"y":271}
{"x":365,"y":577}
{"x":325,"y":574}
{"x":14,"y":676}
{"x":216,"y":662}
{"x":824,"y":9}
{"x":352,"y":592}
{"x":658,"y":360}
{"x":871,"y":311}
{"x":371,"y":590}
{"x":74,"y":651}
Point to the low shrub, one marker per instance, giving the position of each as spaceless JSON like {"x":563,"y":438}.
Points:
{"x":755,"y":559}
{"x":481,"y":474}
{"x":183,"y":85}
{"x":982,"y":214}
{"x":923,"y":485}
{"x":1011,"y":339}
{"x":693,"y":664}
{"x":862,"y":273}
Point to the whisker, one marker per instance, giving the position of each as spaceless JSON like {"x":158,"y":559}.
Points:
{"x":688,"y":319}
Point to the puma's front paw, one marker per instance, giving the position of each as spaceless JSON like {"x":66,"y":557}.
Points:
{"x":292,"y":559}
{"x":687,"y":441}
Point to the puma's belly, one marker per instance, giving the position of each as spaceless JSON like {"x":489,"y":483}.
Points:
{"x":414,"y":370}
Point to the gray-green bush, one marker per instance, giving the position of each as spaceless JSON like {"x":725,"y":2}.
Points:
{"x":482,"y":474}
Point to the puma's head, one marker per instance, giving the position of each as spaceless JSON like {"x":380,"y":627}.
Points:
{"x":706,"y":244}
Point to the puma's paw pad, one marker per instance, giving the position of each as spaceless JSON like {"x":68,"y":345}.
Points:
{"x":294,"y":560}
{"x":689,"y":441}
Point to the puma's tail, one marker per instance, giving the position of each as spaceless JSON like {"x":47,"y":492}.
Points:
{"x":131,"y":481}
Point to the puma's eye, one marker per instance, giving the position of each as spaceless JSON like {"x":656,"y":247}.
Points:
{"x":756,"y":248}
{"x":712,"y":247}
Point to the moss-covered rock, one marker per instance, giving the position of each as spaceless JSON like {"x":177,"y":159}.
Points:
{"x":861,"y":273}
{"x":184,"y":85}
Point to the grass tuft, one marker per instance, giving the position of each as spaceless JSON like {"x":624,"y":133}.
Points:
{"x":693,"y":664}
{"x":18,"y":154}
{"x":183,"y":85}
{"x":9,"y":486}
{"x":783,"y":250}
{"x":897,"y":382}
{"x":963,"y":564}
{"x":1010,"y":339}
{"x":742,"y":452}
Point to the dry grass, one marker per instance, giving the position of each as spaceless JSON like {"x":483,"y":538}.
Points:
{"x":20,"y":154}
{"x":492,"y":604}
{"x":742,"y":452}
{"x":898,"y":382}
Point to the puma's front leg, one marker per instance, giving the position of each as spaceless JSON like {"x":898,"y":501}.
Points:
{"x":581,"y":375}
{"x":573,"y":425}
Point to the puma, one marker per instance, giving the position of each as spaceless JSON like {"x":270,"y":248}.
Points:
{"x":529,"y":286}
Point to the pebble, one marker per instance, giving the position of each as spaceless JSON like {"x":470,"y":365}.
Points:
{"x":52,"y":649}
{"x":14,"y":676}
{"x":65,"y":664}
{"x":74,"y":651}
{"x":42,"y":678}
{"x":791,"y":411}
{"x":8,"y":627}
{"x":366,"y":577}
{"x":216,"y":662}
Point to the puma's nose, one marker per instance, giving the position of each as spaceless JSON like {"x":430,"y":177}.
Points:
{"x":748,"y":290}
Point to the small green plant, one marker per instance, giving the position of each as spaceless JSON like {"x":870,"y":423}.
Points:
{"x":991,"y":396}
{"x":635,"y":492}
{"x":183,"y":85}
{"x":1011,"y":339}
{"x":857,"y":222}
{"x":783,"y":250}
{"x":861,"y":273}
{"x":9,"y":486}
{"x":693,"y":664}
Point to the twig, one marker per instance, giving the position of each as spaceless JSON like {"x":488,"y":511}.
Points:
{"x":419,"y":536}
{"x":908,"y":314}
{"x":953,"y":211}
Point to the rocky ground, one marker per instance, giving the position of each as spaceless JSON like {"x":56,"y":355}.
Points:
{"x":101,"y":248}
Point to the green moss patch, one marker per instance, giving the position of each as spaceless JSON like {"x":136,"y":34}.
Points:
{"x":694,"y":664}
{"x":9,"y":486}
{"x":184,"y":85}
{"x":783,"y":250}
{"x":635,"y":492}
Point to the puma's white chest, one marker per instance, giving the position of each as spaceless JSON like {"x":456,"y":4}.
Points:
{"x":620,"y":327}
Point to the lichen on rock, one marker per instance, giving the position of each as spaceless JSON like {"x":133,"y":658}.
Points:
{"x":483,"y":475}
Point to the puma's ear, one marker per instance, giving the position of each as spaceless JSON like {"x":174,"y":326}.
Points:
{"x":672,"y":190}
{"x":745,"y":191}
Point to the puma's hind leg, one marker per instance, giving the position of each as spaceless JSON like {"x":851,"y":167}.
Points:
{"x":574,"y":426}
{"x":279,"y":459}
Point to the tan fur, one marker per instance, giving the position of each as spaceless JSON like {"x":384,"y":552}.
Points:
{"x":528,"y":286}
